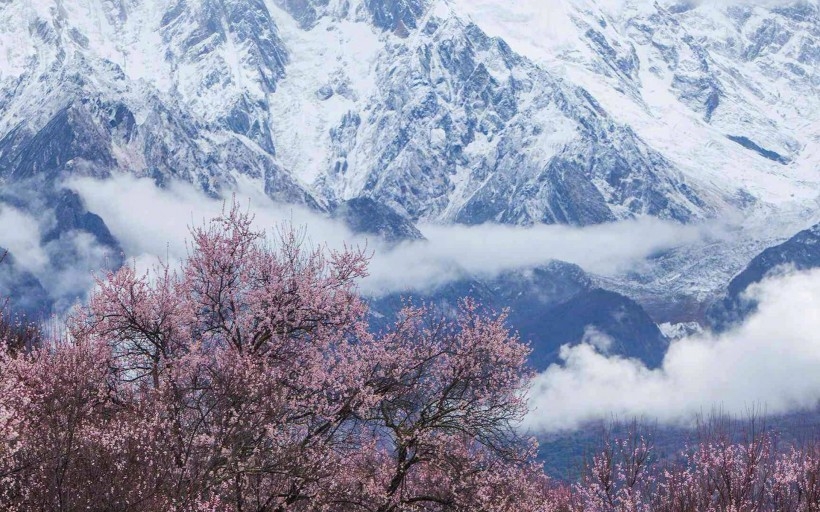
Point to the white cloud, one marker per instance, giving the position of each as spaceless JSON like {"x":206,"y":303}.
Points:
{"x":151,"y":222}
{"x":20,"y":235}
{"x":74,"y":257}
{"x":772,"y":360}
{"x":63,"y":265}
{"x":595,"y":338}
{"x":487,"y":250}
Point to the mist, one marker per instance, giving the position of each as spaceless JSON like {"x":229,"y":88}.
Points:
{"x":153,"y":223}
{"x":20,"y":235}
{"x":770,"y":361}
{"x":62,"y":265}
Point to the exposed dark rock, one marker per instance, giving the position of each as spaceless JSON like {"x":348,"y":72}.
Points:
{"x":366,"y":216}
{"x":550,"y":306}
{"x":765,"y":153}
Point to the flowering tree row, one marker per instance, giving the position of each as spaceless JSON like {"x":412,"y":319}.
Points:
{"x":723,"y":471}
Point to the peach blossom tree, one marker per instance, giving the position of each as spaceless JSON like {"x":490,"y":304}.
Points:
{"x":247,"y":378}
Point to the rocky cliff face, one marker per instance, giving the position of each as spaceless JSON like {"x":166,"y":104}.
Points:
{"x":411,"y":103}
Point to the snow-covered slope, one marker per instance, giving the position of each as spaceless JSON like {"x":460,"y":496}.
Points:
{"x":468,"y":111}
{"x":726,"y":90}
{"x":617,"y":110}
{"x":156,"y":89}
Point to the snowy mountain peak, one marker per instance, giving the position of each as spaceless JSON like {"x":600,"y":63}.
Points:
{"x":384,"y":113}
{"x":446,"y":110}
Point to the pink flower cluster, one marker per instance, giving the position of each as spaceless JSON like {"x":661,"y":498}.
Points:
{"x":247,"y":379}
{"x":720,"y":473}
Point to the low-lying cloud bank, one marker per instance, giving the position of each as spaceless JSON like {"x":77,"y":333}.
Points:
{"x":20,"y":235}
{"x":62,"y":264}
{"x":151,"y":222}
{"x":772,"y":360}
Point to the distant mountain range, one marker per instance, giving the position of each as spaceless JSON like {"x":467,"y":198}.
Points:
{"x":385,"y":113}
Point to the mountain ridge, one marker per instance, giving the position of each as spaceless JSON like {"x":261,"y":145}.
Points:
{"x":442,"y":111}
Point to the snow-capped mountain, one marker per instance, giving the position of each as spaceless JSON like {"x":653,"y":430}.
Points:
{"x":444,"y":111}
{"x":676,"y":111}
